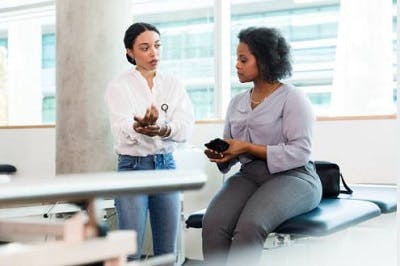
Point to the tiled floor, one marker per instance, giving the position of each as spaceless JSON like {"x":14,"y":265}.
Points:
{"x":372,"y":243}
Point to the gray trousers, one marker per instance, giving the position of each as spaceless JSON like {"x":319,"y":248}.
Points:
{"x":250,"y":205}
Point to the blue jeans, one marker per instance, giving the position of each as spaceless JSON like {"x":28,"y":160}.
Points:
{"x":163,"y":208}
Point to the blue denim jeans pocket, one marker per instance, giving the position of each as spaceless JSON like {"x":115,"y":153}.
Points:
{"x":127,"y":163}
{"x":150,"y":162}
{"x":164,"y":161}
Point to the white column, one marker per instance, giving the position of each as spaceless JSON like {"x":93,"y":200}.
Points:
{"x":90,"y":52}
{"x":398,"y":130}
{"x":222,"y":55}
{"x":24,"y":72}
{"x":363,"y":75}
{"x":3,"y":87}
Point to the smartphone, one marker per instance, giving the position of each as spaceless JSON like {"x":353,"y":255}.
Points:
{"x":218,"y":145}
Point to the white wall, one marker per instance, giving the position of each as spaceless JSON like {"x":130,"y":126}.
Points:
{"x":365,"y":149}
{"x":31,"y":150}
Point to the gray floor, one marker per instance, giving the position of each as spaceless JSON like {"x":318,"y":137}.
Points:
{"x":372,"y":243}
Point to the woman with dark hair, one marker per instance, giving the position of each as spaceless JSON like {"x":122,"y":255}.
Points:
{"x":149,"y":114}
{"x":269,"y":131}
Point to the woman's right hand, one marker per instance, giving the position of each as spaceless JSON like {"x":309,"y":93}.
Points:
{"x":211,"y":154}
{"x":218,"y":157}
{"x":236,"y":147}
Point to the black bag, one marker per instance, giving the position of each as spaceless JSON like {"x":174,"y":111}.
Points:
{"x":330,"y":176}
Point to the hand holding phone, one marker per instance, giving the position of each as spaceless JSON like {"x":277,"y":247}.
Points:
{"x":218,"y":145}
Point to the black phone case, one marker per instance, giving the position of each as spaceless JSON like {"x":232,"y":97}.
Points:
{"x":217,"y":145}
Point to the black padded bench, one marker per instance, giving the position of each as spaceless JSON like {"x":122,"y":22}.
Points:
{"x":382,"y":195}
{"x":7,"y":169}
{"x":331,"y":215}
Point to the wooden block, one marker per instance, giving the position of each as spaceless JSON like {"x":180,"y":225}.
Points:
{"x":112,"y":249}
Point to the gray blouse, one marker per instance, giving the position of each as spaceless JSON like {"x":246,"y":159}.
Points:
{"x":283,"y":122}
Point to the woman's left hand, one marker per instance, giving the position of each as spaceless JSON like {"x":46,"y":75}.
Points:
{"x":149,"y":118}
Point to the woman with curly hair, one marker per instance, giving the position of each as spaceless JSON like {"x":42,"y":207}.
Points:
{"x":269,"y":131}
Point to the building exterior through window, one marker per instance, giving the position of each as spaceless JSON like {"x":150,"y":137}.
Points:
{"x":319,"y":33}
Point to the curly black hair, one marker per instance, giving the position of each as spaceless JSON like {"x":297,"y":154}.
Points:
{"x":131,"y":34}
{"x":271,"y":50}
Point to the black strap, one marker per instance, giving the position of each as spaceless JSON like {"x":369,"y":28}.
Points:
{"x":348,"y":189}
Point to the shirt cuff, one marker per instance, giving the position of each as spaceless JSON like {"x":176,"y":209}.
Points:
{"x":172,"y":131}
{"x":274,"y":158}
{"x":130,"y":134}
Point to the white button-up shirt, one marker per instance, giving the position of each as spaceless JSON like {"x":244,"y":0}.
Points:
{"x":129,"y":95}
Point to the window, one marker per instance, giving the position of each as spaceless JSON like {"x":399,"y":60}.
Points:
{"x":325,"y":63}
{"x":336,"y":60}
{"x":27,"y":78}
{"x":311,"y":27}
{"x":187,"y":37}
{"x":3,"y":42}
{"x":3,"y":79}
{"x":311,"y":32}
{"x":48,"y":81}
{"x":48,"y":50}
{"x":48,"y":109}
